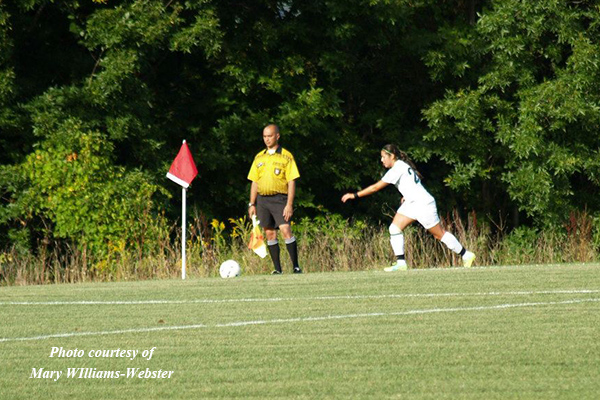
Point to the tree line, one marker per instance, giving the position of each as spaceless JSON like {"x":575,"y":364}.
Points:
{"x":497,"y":101}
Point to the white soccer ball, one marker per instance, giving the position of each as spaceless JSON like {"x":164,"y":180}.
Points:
{"x":230,"y":269}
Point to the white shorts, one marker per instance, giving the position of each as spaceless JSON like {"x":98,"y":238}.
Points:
{"x":426,"y":214}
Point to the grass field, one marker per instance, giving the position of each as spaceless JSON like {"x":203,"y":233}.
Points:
{"x":486,"y":333}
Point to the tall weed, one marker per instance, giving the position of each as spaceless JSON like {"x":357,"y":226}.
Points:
{"x":325,"y":243}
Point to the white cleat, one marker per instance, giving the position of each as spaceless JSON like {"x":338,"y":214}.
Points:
{"x":468,"y":259}
{"x":400,"y":265}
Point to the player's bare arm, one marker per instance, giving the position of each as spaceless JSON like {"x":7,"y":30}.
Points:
{"x":376,"y":187}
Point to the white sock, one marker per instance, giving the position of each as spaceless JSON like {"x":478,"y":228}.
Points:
{"x":451,"y":242}
{"x":397,"y":240}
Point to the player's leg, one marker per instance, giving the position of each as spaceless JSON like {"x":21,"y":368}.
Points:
{"x":399,"y":223}
{"x":452,"y":243}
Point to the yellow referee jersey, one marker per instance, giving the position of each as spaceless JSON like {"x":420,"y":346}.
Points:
{"x":272,"y":172}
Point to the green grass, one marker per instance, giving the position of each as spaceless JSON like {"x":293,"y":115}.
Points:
{"x":421,"y":334}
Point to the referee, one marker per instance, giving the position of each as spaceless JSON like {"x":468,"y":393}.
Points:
{"x":273,"y":175}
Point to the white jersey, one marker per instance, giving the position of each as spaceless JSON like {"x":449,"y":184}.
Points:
{"x":408,"y":183}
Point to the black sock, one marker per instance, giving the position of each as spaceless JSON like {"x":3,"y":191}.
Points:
{"x":292,"y":248}
{"x":274,"y":252}
{"x":400,"y":257}
{"x":462,"y":252}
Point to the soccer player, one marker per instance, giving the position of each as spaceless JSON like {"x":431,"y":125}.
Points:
{"x":273,"y":174}
{"x":416,"y":205}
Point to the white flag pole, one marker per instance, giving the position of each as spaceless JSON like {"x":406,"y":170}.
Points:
{"x":183,"y":229}
{"x":183,"y":190}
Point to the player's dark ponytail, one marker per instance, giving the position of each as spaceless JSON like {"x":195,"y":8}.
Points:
{"x":400,"y":155}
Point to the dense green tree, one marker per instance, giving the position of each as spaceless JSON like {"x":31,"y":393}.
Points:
{"x":96,"y":97}
{"x":341,"y":79}
{"x":8,"y":117}
{"x":526,"y":130}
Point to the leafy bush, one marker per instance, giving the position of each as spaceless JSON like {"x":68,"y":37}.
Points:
{"x":520,"y":245}
{"x":70,"y":187}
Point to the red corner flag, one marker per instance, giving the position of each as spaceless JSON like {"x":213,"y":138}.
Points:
{"x":183,"y":170}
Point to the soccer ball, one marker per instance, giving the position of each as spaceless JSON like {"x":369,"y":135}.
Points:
{"x":230,"y":269}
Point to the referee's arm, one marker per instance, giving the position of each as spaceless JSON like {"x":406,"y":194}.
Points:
{"x":253,"y":197}
{"x":288,"y":211}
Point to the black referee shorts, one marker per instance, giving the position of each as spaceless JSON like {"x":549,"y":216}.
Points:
{"x":269,"y":210}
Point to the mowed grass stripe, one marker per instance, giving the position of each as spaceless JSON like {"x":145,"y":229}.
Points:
{"x":302,"y":319}
{"x":279,"y":299}
{"x":462,"y":346}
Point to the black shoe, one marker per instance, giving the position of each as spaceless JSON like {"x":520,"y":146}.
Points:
{"x":276,"y":272}
{"x":297,"y":271}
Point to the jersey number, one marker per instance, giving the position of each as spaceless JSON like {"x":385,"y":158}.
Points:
{"x":411,"y":172}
